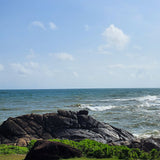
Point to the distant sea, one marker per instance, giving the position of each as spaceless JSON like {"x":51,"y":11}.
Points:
{"x":136,"y":110}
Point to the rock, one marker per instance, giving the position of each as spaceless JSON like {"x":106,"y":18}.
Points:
{"x":45,"y":150}
{"x":69,"y":114}
{"x":84,"y":112}
{"x":64,"y":124}
{"x":145,"y":144}
{"x":69,"y":125}
{"x":21,"y":142}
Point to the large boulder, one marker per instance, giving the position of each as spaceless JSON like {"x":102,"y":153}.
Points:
{"x":68,"y":125}
{"x":45,"y":150}
{"x":146,"y":144}
{"x":63,"y":125}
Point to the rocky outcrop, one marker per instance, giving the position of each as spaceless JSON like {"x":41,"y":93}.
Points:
{"x":45,"y":150}
{"x":69,"y":125}
{"x":63,"y":125}
{"x":145,"y":144}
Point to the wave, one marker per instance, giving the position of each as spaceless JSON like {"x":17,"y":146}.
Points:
{"x":93,"y":108}
{"x":147,"y":98}
{"x":148,"y":101}
{"x":147,"y":134}
{"x":144,"y":101}
{"x":128,"y":103}
{"x":140,"y":99}
{"x":116,"y":99}
{"x":100,"y":108}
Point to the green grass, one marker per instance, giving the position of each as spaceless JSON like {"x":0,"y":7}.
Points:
{"x":21,"y":157}
{"x":12,"y":157}
{"x":10,"y":149}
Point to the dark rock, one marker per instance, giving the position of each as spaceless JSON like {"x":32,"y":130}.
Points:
{"x":69,"y":114}
{"x":146,"y":144}
{"x":45,"y":150}
{"x":69,"y":125}
{"x":64,"y":124}
{"x":85,"y":112}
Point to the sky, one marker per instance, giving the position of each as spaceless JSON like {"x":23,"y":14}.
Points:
{"x":51,"y":44}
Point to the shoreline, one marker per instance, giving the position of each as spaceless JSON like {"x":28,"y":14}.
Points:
{"x":129,"y":109}
{"x":69,"y":125}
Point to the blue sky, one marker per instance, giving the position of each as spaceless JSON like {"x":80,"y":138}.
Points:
{"x":79,"y":44}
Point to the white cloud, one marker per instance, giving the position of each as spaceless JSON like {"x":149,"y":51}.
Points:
{"x":75,"y":74}
{"x":135,"y":66}
{"x":20,"y":69}
{"x":137,"y":47}
{"x":103,"y":50}
{"x":115,"y":38}
{"x":121,"y":66}
{"x":38,"y":24}
{"x":139,"y":71}
{"x":86,"y":27}
{"x":64,"y":56}
{"x":48,"y":72}
{"x":1,"y":67}
{"x":25,"y":69}
{"x":31,"y":55}
{"x":52,"y":26}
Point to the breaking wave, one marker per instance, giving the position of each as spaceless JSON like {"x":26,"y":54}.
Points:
{"x":147,"y":134}
{"x":94,"y":108}
{"x":148,"y":98}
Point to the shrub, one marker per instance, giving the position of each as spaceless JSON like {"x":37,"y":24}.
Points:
{"x":92,"y":149}
{"x":10,"y":149}
{"x":95,"y":149}
{"x":31,"y":144}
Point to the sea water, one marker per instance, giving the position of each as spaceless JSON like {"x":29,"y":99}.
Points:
{"x":136,"y":110}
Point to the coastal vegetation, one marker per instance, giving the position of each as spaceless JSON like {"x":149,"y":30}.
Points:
{"x":89,"y":148}
{"x":10,"y":149}
{"x":95,"y":149}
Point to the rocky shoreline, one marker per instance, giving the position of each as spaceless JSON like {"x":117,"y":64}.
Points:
{"x":69,"y":125}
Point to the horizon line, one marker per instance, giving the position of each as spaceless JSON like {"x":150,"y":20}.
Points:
{"x":81,"y":88}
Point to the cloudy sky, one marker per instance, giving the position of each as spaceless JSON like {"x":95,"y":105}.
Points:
{"x":79,"y":44}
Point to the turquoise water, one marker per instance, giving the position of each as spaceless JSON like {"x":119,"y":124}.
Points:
{"x":136,"y":110}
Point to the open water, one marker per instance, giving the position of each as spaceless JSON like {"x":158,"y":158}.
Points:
{"x":136,"y":110}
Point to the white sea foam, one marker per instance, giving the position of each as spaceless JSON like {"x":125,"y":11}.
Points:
{"x":143,"y":98}
{"x":154,"y":133}
{"x":145,"y":104}
{"x":116,"y":99}
{"x":147,"y":98}
{"x":97,"y":108}
{"x":148,"y":101}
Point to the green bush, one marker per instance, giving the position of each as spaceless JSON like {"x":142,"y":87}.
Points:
{"x":91,"y":149}
{"x":95,"y":149}
{"x":31,"y":144}
{"x":10,"y":149}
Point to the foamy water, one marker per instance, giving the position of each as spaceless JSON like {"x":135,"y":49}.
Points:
{"x":136,"y":110}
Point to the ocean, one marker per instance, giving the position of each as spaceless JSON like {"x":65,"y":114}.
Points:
{"x":136,"y":110}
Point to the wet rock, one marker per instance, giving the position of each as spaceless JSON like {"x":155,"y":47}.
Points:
{"x":64,"y":124}
{"x":82,"y":112}
{"x":45,"y":150}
